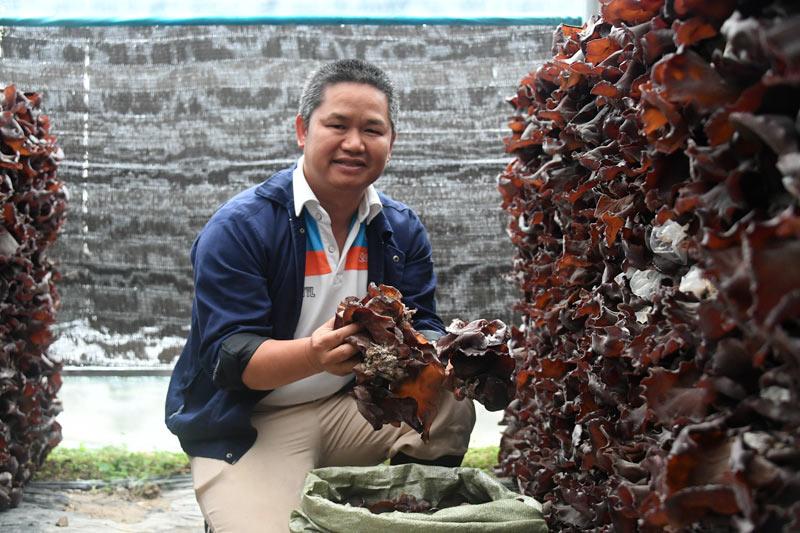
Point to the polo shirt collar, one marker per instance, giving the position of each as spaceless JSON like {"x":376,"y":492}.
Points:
{"x":368,"y":208}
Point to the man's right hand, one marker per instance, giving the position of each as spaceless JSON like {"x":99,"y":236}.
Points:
{"x":279,"y":362}
{"x":327,"y":351}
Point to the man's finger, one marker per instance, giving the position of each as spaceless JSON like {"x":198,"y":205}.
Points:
{"x":342,"y":353}
{"x":345,"y":331}
{"x":345,"y":367}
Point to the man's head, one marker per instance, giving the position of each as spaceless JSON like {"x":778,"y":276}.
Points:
{"x":342,"y":71}
{"x":346,"y":131}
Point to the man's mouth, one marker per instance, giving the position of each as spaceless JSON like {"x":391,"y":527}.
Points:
{"x":350,"y":163}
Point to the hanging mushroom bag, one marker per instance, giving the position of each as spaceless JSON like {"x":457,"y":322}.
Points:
{"x":412,"y":498}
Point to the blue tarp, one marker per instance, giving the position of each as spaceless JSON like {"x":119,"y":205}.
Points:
{"x":151,"y":12}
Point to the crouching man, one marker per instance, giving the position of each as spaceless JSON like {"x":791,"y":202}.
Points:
{"x":259,"y":396}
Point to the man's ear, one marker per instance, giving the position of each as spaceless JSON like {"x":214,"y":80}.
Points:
{"x":300,"y":131}
{"x":391,"y":145}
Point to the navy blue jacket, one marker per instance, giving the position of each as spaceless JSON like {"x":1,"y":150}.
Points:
{"x":249,"y":265}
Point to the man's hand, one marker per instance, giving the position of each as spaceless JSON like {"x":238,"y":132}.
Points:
{"x":327,"y":351}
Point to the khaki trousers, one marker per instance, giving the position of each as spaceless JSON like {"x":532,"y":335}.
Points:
{"x":258,"y":493}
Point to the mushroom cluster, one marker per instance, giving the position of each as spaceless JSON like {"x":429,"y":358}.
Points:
{"x":401,"y":374}
{"x":653,"y":204}
{"x":32,"y":206}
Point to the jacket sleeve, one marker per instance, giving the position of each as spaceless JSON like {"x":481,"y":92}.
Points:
{"x":419,"y":280}
{"x":232,"y":303}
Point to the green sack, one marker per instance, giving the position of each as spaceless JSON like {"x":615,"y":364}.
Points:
{"x":491,"y":507}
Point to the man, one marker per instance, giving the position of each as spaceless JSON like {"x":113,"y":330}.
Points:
{"x":258,"y":396}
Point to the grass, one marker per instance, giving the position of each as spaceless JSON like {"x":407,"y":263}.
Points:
{"x":113,"y":463}
{"x":484,"y":458}
{"x":110,"y":463}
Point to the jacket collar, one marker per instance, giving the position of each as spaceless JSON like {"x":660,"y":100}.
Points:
{"x":278,"y":188}
{"x":380,"y":225}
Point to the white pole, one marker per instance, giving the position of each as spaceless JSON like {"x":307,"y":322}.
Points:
{"x":592,"y":8}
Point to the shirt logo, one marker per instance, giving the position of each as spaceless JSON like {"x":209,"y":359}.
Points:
{"x":357,"y":258}
{"x":308,"y":292}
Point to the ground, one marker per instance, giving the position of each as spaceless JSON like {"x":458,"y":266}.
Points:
{"x":49,"y":507}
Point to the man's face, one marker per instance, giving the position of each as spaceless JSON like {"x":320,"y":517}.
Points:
{"x":348,"y":140}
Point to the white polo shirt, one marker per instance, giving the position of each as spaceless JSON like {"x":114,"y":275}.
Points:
{"x":330,"y":276}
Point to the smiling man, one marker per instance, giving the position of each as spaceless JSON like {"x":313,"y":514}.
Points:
{"x":259,"y":396}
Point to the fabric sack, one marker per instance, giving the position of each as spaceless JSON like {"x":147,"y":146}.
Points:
{"x":490,"y":506}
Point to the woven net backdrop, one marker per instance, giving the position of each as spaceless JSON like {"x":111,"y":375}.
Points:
{"x":161,"y":124}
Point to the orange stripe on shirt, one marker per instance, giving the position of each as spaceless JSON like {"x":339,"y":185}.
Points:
{"x":317,"y":263}
{"x":356,"y":258}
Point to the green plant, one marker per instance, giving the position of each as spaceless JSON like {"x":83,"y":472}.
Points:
{"x":109,"y":463}
{"x":112,"y":463}
{"x":484,"y":458}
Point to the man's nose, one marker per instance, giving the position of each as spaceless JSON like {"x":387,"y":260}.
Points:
{"x":353,"y":141}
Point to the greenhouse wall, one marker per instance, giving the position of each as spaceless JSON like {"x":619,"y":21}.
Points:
{"x":161,"y":124}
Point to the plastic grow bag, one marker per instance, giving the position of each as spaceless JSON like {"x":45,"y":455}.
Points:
{"x":491,"y":507}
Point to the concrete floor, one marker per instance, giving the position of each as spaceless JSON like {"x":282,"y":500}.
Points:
{"x":48,"y":508}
